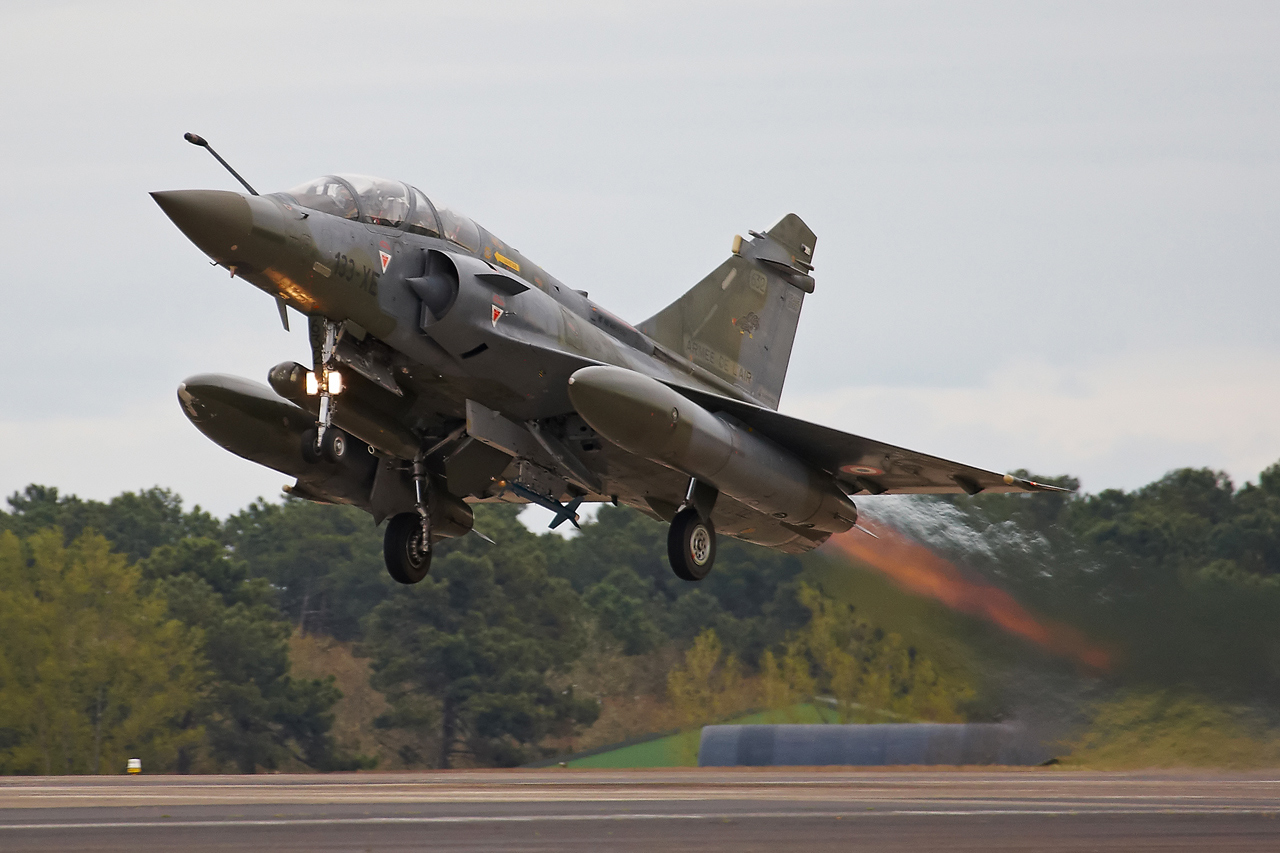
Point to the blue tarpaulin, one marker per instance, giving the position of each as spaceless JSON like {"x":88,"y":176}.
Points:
{"x":872,"y":745}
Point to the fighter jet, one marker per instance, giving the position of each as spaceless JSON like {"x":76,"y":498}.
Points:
{"x":448,"y":369}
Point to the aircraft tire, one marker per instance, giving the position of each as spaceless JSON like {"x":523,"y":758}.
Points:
{"x":310,"y":452}
{"x":335,"y":445}
{"x":407,"y":561}
{"x":691,"y":545}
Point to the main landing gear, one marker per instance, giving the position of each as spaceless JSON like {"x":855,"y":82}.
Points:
{"x":406,"y":546}
{"x":691,"y":542}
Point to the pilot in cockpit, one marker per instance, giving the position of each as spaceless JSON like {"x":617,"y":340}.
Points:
{"x":326,"y":195}
{"x":384,"y":202}
{"x":388,"y":203}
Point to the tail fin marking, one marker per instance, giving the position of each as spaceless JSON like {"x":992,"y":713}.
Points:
{"x":740,"y":321}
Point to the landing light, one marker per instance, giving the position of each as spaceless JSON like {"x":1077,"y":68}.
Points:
{"x":313,"y":383}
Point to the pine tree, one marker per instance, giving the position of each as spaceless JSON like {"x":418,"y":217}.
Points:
{"x":466,"y":654}
{"x":94,"y":670}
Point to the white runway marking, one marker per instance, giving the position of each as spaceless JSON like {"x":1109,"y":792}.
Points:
{"x":625,"y":816}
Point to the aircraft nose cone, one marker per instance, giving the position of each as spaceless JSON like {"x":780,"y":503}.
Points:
{"x":217,"y":221}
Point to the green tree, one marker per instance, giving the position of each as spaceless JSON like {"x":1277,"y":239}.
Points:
{"x":868,"y":673}
{"x":786,"y":679}
{"x":324,"y":562}
{"x":467,"y":654}
{"x":619,"y":564}
{"x":620,"y":603}
{"x":134,"y":522}
{"x":255,"y":713}
{"x":93,"y":670}
{"x":708,"y":684}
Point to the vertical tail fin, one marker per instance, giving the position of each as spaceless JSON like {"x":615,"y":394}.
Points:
{"x":740,"y":321}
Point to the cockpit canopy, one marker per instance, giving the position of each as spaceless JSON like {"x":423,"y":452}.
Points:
{"x":389,"y":203}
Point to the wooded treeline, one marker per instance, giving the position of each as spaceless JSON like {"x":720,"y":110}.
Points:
{"x":1180,"y":578}
{"x":136,"y":628}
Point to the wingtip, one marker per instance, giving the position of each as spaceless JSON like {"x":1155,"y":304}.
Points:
{"x":1031,"y":485}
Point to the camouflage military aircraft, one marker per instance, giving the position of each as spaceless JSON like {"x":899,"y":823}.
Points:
{"x":448,"y":369}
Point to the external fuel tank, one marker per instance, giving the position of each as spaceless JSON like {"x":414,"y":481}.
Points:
{"x":643,"y":416}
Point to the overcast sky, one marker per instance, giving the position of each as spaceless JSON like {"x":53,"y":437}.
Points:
{"x":1047,"y":232}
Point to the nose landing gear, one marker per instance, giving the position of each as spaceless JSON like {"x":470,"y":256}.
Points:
{"x":691,"y":542}
{"x":325,"y":441}
{"x":333,"y":447}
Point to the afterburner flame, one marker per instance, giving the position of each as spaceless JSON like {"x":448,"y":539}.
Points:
{"x":915,"y":568}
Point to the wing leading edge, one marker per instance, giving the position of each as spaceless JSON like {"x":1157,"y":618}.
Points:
{"x":862,"y":465}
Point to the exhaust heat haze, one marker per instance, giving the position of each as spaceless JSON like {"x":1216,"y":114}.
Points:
{"x":916,"y":569}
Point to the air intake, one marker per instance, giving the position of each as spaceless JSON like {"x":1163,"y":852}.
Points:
{"x":436,"y":286}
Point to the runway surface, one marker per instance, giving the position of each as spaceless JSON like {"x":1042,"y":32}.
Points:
{"x":711,"y":809}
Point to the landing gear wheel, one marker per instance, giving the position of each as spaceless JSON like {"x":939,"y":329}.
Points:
{"x":691,"y":545}
{"x":310,"y":452}
{"x":408,"y":556}
{"x":334,"y":445}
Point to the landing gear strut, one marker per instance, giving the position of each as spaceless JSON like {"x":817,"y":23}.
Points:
{"x":691,"y":542}
{"x":406,"y":546}
{"x":325,"y":441}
